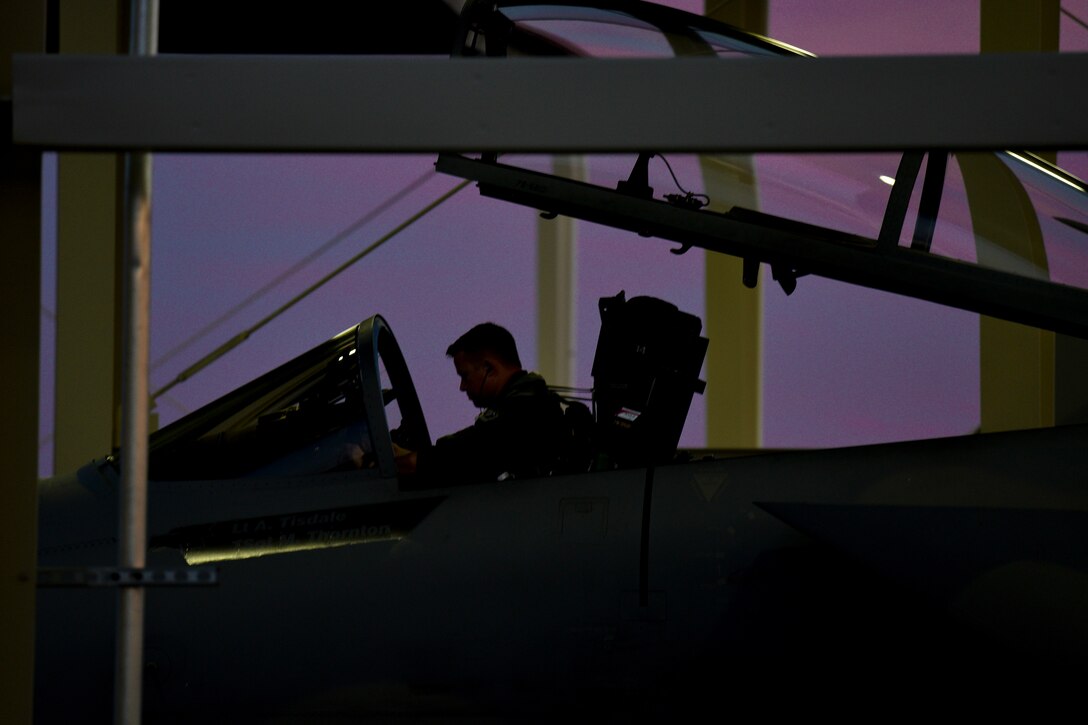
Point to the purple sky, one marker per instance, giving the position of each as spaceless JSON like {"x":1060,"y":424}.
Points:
{"x":842,"y":365}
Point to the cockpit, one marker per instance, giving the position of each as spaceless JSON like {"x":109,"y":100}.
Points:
{"x":327,"y":410}
{"x":343,"y":405}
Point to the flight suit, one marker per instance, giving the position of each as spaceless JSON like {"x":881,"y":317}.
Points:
{"x":522,"y":434}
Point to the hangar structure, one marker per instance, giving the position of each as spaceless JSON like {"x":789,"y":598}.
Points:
{"x":127,"y":104}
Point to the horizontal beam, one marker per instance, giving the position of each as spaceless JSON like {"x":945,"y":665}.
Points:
{"x":792,"y":247}
{"x":396,"y":104}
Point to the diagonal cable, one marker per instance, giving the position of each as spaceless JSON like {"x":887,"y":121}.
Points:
{"x":245,"y":334}
{"x":1069,"y":14}
{"x":268,"y":286}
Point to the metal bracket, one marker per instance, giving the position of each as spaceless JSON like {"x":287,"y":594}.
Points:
{"x":112,"y":576}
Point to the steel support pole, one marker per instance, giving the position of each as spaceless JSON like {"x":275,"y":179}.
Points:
{"x":135,"y":401}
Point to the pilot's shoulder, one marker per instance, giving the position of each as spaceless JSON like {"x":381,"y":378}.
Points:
{"x":527,"y":385}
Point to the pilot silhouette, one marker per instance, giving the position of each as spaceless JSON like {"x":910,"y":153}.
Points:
{"x":521,"y":430}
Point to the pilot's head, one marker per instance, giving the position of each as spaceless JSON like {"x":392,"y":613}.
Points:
{"x":485,"y":358}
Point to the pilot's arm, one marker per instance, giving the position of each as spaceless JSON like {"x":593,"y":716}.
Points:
{"x":495,"y":444}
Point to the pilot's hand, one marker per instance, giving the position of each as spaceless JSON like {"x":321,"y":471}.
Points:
{"x":406,"y":460}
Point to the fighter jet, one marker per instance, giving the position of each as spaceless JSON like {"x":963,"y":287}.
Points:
{"x":293,"y":576}
{"x":293,"y":584}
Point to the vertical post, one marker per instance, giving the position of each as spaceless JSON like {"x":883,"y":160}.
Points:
{"x":22,"y":30}
{"x":557,"y":286}
{"x":734,"y":313}
{"x":90,"y":238}
{"x":143,"y":21}
{"x":1016,"y":362}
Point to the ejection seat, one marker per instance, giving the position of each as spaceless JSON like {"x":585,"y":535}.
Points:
{"x":645,"y":372}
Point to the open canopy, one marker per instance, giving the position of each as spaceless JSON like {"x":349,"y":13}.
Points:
{"x":1002,"y":233}
{"x":332,"y":407}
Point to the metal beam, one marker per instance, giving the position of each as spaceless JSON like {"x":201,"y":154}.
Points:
{"x":792,"y":246}
{"x":341,"y":103}
{"x":132,"y":513}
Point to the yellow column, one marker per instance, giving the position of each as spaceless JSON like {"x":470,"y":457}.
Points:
{"x":22,"y":30}
{"x":734,"y":313}
{"x":556,"y":274}
{"x":87,"y":396}
{"x":1016,"y":363}
{"x":1008,"y":26}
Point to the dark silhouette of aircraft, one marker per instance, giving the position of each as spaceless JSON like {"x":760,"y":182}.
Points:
{"x":295,"y":578}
